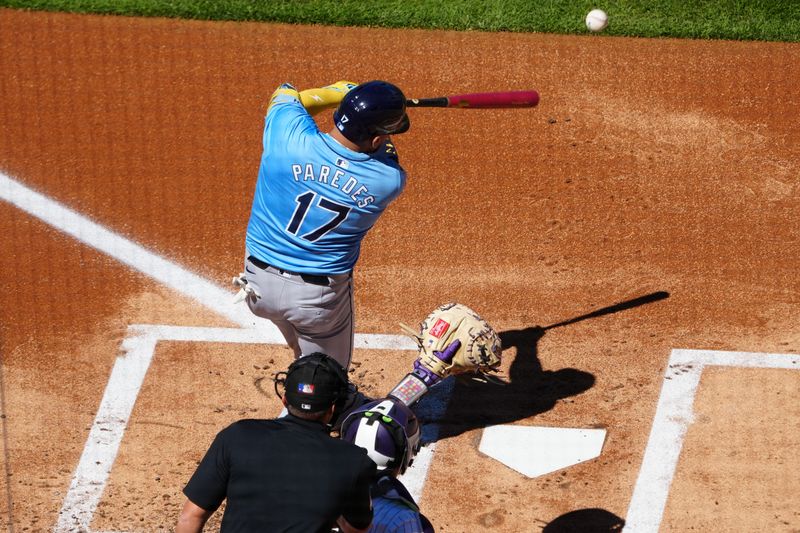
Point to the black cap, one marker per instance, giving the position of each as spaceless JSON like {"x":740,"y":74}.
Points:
{"x":315,"y":382}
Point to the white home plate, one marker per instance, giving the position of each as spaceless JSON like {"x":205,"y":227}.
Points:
{"x":535,"y":451}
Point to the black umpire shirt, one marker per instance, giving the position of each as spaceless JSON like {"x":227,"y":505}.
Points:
{"x":283,"y":475}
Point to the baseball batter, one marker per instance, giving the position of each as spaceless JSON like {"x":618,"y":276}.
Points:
{"x":316,"y":197}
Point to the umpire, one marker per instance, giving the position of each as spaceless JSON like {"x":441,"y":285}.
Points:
{"x":285,"y":474}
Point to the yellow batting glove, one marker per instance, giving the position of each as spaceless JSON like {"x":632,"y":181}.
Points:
{"x":328,"y":97}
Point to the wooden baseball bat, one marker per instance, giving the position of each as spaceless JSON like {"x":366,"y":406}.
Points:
{"x":492,"y":100}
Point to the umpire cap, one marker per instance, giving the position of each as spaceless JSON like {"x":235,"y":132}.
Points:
{"x":313,"y":383}
{"x":370,"y":109}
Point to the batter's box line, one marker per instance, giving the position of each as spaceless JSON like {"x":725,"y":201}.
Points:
{"x":673,"y":416}
{"x":101,"y":447}
{"x":127,"y":376}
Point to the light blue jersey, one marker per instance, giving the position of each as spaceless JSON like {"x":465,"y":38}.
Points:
{"x":315,"y":199}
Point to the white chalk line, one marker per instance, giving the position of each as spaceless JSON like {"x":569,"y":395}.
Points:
{"x":673,"y":413}
{"x":162,"y":270}
{"x":127,"y":375}
{"x":127,"y":252}
{"x":673,"y":416}
{"x":102,"y":445}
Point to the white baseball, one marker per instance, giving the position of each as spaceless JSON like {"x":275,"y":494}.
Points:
{"x":596,"y":20}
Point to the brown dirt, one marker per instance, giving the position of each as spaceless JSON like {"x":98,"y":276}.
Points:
{"x":741,"y":455}
{"x":649,"y":165}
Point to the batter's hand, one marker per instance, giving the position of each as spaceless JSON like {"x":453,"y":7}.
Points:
{"x":245,"y":290}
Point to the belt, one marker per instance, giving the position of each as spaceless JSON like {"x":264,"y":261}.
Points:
{"x":308,"y":278}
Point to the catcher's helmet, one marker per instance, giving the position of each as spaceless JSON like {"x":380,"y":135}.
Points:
{"x":387,"y":429}
{"x":370,"y":109}
{"x":313,"y":383}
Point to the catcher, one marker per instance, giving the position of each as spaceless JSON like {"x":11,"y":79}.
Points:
{"x":453,"y":339}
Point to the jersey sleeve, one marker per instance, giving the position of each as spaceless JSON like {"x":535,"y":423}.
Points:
{"x":358,"y":506}
{"x":208,"y":486}
{"x":287,"y":120}
{"x":285,"y":93}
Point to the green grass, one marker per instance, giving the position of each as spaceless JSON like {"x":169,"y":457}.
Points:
{"x":769,"y":20}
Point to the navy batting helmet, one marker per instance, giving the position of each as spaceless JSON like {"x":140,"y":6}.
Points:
{"x":370,"y":109}
{"x":387,"y":429}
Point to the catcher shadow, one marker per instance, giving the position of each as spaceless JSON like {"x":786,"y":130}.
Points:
{"x":529,"y":391}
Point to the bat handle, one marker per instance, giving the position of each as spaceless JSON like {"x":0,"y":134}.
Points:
{"x":428,"y":102}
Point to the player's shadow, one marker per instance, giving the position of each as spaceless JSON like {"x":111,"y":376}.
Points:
{"x":585,"y":521}
{"x":529,"y":390}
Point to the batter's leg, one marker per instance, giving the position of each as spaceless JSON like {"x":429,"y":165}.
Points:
{"x":289,"y":333}
{"x":327,"y":325}
{"x":266,"y":302}
{"x":312,"y":317}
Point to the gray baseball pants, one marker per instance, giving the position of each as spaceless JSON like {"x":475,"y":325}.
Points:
{"x":314,"y":313}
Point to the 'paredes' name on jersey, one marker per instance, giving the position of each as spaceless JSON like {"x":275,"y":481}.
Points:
{"x":358,"y":192}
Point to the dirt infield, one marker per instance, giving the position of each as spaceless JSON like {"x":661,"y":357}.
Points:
{"x":663,"y":170}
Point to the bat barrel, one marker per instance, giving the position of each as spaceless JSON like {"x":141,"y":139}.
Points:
{"x":492,"y":100}
{"x":495,"y":100}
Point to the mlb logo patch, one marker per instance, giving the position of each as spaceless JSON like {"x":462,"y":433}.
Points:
{"x":305,"y":388}
{"x":342,"y":163}
{"x":440,"y":328}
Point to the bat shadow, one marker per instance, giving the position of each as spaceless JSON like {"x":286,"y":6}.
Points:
{"x":461,"y":403}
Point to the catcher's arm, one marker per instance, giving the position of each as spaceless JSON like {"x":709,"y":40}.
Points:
{"x":427,"y":373}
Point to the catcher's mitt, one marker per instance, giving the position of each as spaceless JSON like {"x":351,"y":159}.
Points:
{"x":480,"y":346}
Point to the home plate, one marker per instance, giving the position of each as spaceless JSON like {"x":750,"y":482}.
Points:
{"x":535,"y":451}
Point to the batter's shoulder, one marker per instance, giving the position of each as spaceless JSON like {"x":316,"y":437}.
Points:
{"x":387,"y":154}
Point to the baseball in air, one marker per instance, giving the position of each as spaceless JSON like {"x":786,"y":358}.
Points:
{"x":596,"y":20}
